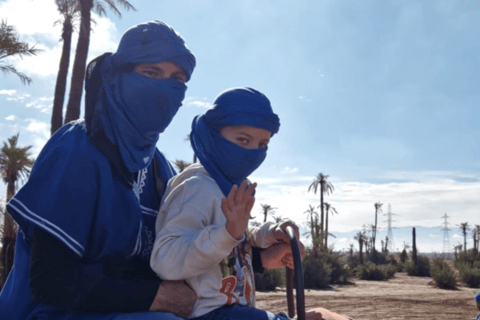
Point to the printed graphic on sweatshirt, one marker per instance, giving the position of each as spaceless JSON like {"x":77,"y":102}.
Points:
{"x":238,"y":279}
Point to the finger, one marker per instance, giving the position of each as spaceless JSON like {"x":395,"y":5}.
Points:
{"x":226,"y":210}
{"x":231,"y":196}
{"x":249,"y":207}
{"x":239,"y":198}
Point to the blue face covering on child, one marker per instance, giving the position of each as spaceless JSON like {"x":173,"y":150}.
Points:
{"x":226,"y":162}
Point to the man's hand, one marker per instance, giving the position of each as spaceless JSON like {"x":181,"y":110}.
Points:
{"x":279,"y":255}
{"x":175,"y":297}
{"x":324,"y":314}
{"x":280,"y":233}
{"x":237,"y":207}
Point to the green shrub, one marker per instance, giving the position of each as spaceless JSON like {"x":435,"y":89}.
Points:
{"x":420,"y":269}
{"x":469,"y":257}
{"x":470,"y":276}
{"x":443,"y":275}
{"x":269,"y":279}
{"x":370,"y":271}
{"x":316,"y":271}
{"x":389,"y":270}
{"x":339,"y":268}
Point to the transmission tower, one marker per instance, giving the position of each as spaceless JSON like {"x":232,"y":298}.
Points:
{"x":389,"y":214}
{"x":446,"y":237}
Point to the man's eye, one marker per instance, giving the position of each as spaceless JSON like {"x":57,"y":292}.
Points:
{"x":150,"y":74}
{"x":262,"y":145}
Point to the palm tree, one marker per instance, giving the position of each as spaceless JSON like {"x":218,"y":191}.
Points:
{"x":312,"y":214}
{"x":477,"y":231}
{"x":10,"y":47}
{"x":266,"y":210}
{"x":464,"y":227}
{"x":181,"y":165}
{"x":360,"y":237}
{"x":70,"y":12}
{"x":79,"y":65}
{"x":325,"y":188}
{"x":328,"y":208}
{"x":15,"y":164}
{"x":378,"y":208}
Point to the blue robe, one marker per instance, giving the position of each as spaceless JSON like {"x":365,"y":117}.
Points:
{"x":73,"y":194}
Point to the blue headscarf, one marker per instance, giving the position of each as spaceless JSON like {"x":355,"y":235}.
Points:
{"x":226,"y":162}
{"x":134,"y":109}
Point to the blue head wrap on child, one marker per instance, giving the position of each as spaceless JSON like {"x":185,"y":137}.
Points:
{"x":477,"y":296}
{"x":136,"y":108}
{"x":226,"y":162}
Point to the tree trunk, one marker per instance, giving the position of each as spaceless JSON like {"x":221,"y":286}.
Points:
{"x":326,"y":230}
{"x":375,"y":231}
{"x":9,"y":235}
{"x":61,"y":84}
{"x":361,"y":252}
{"x":79,"y":65}
{"x":414,"y":247}
{"x":321,"y":215}
{"x":465,"y":242}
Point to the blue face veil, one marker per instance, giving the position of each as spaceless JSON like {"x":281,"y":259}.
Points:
{"x":133,"y":109}
{"x":226,"y":162}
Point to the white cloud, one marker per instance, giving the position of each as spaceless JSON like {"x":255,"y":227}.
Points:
{"x":195,"y":102}
{"x":40,"y":133}
{"x":289,"y":170}
{"x":415,"y":203}
{"x":20,"y":97}
{"x":10,"y":118}
{"x":39,"y":30}
{"x":8,"y":92}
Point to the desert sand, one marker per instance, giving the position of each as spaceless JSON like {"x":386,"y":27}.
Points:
{"x":402,"y":297}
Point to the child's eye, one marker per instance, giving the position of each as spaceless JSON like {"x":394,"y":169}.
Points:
{"x":242,"y":140}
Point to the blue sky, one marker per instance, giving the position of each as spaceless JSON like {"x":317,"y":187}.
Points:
{"x":380,"y":95}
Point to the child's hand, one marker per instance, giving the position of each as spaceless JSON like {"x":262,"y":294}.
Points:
{"x":236,"y":208}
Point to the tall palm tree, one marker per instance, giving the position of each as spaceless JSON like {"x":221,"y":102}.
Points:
{"x":378,"y":209}
{"x":464,"y":227}
{"x":325,"y":188}
{"x":267,"y":210}
{"x":311,"y":213}
{"x":12,"y":47}
{"x":15,"y":164}
{"x":328,"y":208}
{"x":80,"y":63}
{"x":360,"y":237}
{"x":69,"y":9}
{"x":477,"y":231}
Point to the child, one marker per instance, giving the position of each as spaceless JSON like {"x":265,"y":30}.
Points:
{"x":200,"y":230}
{"x":205,"y":212}
{"x":477,"y":300}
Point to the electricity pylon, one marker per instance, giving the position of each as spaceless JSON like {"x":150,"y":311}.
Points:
{"x":391,"y":243}
{"x":446,"y":237}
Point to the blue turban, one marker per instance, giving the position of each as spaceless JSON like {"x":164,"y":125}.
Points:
{"x":134,"y":109}
{"x":226,"y":162}
{"x":477,"y":296}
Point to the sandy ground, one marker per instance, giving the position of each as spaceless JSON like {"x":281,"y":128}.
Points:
{"x":402,"y":297}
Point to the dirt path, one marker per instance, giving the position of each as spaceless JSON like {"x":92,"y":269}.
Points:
{"x":402,"y":297}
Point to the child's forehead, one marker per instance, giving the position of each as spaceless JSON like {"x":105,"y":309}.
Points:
{"x":247,"y":129}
